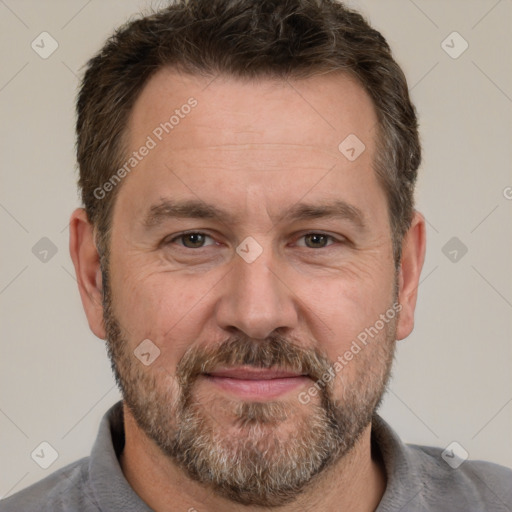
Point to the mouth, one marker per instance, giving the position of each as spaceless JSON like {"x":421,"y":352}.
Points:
{"x":256,"y":383}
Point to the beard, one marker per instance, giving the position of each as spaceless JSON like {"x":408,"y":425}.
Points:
{"x":252,"y":453}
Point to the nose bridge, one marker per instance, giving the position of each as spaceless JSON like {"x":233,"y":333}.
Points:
{"x":256,"y":301}
{"x":258,"y":281}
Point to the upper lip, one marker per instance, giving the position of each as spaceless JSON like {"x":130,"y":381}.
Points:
{"x":249,"y":373}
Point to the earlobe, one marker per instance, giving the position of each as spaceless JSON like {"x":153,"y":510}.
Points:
{"x":413,"y":255}
{"x":86,"y":261}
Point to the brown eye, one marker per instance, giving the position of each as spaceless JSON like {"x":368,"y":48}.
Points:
{"x":193,"y":240}
{"x":316,"y":240}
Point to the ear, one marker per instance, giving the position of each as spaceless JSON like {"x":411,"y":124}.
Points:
{"x":87,"y":268}
{"x":413,"y":255}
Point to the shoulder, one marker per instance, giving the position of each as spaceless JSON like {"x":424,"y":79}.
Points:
{"x":474,"y":484}
{"x":430,"y":479}
{"x":64,"y":490}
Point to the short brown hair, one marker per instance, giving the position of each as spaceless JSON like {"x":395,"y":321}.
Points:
{"x":246,"y":39}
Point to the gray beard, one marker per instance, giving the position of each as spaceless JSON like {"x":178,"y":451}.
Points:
{"x":252,"y":453}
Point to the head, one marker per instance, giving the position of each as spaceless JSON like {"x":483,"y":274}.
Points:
{"x":247,"y":171}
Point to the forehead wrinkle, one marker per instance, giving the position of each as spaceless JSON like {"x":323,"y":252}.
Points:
{"x":331,"y":151}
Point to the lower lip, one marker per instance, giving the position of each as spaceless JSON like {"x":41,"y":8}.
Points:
{"x":261,"y":388}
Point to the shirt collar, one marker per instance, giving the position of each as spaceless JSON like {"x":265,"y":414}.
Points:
{"x":404,"y":484}
{"x":111,"y":490}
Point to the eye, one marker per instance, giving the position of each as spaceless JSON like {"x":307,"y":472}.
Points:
{"x":315,"y":240}
{"x":193,"y":240}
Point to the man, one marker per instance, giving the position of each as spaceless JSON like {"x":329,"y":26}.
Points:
{"x":250,"y":251}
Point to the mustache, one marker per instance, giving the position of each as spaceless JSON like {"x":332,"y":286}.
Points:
{"x":276,"y":351}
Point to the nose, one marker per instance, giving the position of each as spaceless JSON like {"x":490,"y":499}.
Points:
{"x":256,"y":299}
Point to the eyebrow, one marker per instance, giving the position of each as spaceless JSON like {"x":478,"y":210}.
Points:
{"x":192,"y":209}
{"x":195,"y":209}
{"x":332,"y":209}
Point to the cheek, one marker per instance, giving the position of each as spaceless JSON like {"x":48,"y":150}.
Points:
{"x":340,"y":312}
{"x":164,"y":307}
{"x":345,"y":305}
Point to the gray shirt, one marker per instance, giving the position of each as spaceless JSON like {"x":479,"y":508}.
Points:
{"x":418,"y":479}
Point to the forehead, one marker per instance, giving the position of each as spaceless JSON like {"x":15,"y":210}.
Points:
{"x":318,"y":110}
{"x":223,"y":137}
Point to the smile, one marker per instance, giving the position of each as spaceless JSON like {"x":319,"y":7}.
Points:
{"x":256,"y":383}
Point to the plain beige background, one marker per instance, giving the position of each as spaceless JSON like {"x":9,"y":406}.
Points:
{"x":452,"y":378}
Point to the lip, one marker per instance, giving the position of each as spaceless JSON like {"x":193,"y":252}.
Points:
{"x":250,"y":373}
{"x":256,"y":383}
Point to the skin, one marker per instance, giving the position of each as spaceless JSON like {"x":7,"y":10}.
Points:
{"x":253,"y":149}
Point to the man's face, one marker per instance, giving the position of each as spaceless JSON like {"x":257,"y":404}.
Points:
{"x":252,"y":253}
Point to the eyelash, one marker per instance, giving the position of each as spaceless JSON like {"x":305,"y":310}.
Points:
{"x":331,"y":239}
{"x":182,"y":235}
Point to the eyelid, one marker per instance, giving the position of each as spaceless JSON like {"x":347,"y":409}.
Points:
{"x":333,"y":238}
{"x":175,"y":237}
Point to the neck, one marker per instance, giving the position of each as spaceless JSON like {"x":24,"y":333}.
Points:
{"x":356,"y":482}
